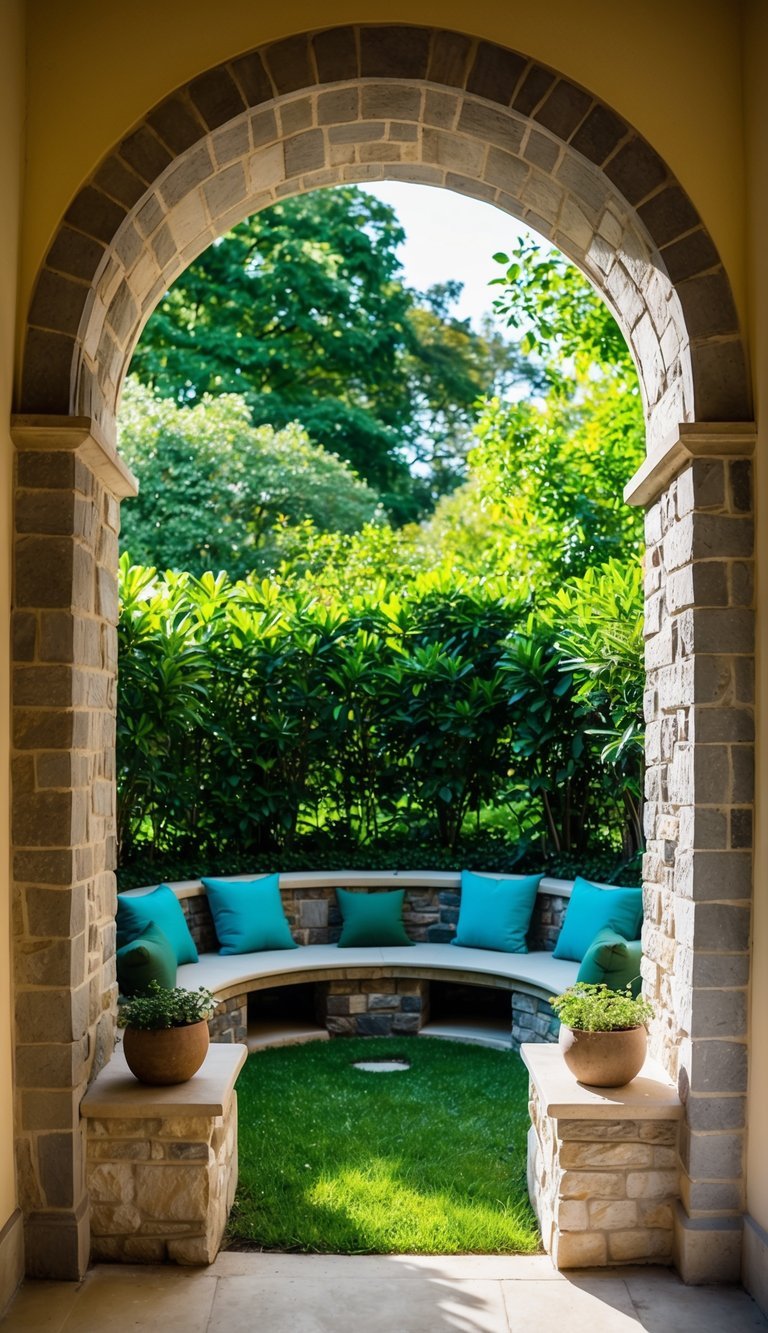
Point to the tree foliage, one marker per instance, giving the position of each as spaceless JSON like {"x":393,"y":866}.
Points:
{"x":213,"y":487}
{"x":251,"y":715}
{"x":302,"y":310}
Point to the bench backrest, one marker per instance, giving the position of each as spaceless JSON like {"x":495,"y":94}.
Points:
{"x":431,"y":905}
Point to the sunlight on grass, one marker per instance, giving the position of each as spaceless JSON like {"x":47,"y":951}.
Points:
{"x":338,"y":1160}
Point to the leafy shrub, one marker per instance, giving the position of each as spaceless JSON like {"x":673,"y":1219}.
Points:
{"x":159,"y":1007}
{"x":596,"y":1008}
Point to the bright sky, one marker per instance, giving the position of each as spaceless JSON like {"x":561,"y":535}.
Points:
{"x":450,"y":236}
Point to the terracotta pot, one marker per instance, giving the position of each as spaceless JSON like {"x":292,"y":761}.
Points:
{"x":166,"y":1055}
{"x":604,"y":1059}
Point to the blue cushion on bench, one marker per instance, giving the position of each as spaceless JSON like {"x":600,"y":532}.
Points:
{"x":612,"y":961}
{"x":151,"y":957}
{"x":592,"y":909}
{"x":496,"y":913}
{"x":372,"y":920}
{"x":162,"y":907}
{"x":248,"y":914}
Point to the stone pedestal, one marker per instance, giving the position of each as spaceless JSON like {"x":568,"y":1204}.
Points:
{"x":602,"y":1164}
{"x":161,"y":1163}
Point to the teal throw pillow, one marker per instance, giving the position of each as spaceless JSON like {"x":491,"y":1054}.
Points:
{"x":162,"y":907}
{"x":372,"y":920}
{"x":612,"y":961}
{"x":591,"y":909}
{"x":496,"y":913}
{"x":248,"y":914}
{"x":151,"y":957}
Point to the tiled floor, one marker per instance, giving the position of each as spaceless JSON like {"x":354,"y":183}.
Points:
{"x":279,"y":1293}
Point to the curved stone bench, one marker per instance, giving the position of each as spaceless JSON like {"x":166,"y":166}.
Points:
{"x":377,"y":991}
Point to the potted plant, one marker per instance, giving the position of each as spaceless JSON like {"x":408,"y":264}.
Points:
{"x":603,"y":1036}
{"x":166,"y":1032}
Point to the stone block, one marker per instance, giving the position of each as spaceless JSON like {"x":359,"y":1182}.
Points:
{"x":341,"y":1027}
{"x":612,"y":1216}
{"x":172,"y":1193}
{"x":641,"y":1243}
{"x":579,"y":1249}
{"x":374,"y":1025}
{"x":573,"y":1215}
{"x":592,"y":1185}
{"x":406,"y":1023}
{"x":712,"y":1156}
{"x":651,"y":1184}
{"x":605,"y":1154}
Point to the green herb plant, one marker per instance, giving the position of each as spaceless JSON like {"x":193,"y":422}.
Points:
{"x":597,"y":1008}
{"x":159,"y":1007}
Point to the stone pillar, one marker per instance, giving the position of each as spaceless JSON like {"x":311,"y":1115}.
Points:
{"x":69,"y":482}
{"x":699,"y":788}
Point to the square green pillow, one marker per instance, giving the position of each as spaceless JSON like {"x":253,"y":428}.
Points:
{"x":591,"y":909}
{"x":248,"y":914}
{"x":162,"y":907}
{"x":372,"y":920}
{"x":495,"y":913}
{"x":151,"y":957}
{"x":612,"y":961}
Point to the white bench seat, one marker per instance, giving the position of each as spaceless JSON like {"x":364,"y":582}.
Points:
{"x":231,"y":974}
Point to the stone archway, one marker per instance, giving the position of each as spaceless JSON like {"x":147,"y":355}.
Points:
{"x":354,"y":104}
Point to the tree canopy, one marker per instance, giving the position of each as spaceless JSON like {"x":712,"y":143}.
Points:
{"x":302,"y":310}
{"x":213,"y":487}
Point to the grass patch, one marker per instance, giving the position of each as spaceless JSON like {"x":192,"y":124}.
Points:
{"x":339,"y":1161}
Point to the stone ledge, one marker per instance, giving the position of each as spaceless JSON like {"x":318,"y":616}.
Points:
{"x":651,"y":1096}
{"x":78,"y":435}
{"x":116,"y":1094}
{"x":697,"y":439}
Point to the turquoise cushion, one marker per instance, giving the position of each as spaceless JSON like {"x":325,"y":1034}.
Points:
{"x":151,"y":957}
{"x":162,"y":907}
{"x":592,"y":909}
{"x":372,"y":920}
{"x":495,"y":913}
{"x":248,"y":914}
{"x":612,"y":961}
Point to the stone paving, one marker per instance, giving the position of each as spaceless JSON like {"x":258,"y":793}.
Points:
{"x":280,"y":1293}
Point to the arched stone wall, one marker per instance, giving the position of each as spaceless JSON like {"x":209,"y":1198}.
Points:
{"x":348,"y":105}
{"x":356,"y":104}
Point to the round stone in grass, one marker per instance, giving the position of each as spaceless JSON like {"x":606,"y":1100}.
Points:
{"x":382,"y":1066}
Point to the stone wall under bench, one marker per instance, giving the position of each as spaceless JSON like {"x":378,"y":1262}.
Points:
{"x":382,"y":1007}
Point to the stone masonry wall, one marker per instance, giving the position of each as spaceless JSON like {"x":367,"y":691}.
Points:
{"x":378,"y":1007}
{"x":700,"y":789}
{"x":161,"y":1189}
{"x":603,"y":1190}
{"x":63,"y":772}
{"x":429,"y":915}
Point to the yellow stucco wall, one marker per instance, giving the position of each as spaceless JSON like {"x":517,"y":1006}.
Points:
{"x":672,"y":69}
{"x":11,"y":144}
{"x":756,"y":64}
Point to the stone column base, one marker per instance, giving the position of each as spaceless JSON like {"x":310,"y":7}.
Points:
{"x":11,"y":1258}
{"x":707,"y":1249}
{"x":754,"y":1273}
{"x":57,"y":1244}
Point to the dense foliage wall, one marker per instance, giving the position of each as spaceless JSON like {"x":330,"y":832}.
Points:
{"x":256,"y":719}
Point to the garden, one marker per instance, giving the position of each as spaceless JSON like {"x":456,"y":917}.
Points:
{"x":381,"y":608}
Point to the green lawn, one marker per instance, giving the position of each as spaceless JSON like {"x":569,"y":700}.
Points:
{"x":429,"y":1161}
